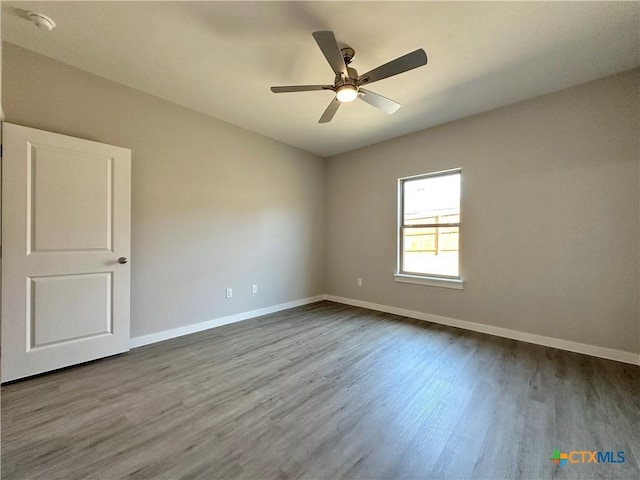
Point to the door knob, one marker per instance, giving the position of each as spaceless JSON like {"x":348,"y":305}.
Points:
{"x":123,"y":260}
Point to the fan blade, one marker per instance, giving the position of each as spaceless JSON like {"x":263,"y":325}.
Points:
{"x":327,"y":42}
{"x":375,"y":99}
{"x":300,"y":88}
{"x":330,"y":111}
{"x":394,"y":67}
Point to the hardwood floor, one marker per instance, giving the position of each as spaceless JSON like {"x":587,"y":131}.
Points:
{"x":325,"y":391}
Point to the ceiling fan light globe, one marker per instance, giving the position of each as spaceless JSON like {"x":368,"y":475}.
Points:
{"x":347,"y":93}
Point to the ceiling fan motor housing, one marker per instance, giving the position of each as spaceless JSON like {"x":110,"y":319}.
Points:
{"x":352,"y":80}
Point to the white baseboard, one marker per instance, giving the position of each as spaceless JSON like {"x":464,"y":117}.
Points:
{"x":218,"y":322}
{"x":593,"y":350}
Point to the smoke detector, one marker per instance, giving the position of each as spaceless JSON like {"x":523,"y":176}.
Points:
{"x":42,"y":21}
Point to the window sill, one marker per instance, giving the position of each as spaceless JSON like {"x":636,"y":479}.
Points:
{"x":430,"y":281}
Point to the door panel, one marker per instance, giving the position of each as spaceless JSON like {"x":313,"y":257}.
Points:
{"x":71,"y":200}
{"x":65,"y":223}
{"x":88,"y":295}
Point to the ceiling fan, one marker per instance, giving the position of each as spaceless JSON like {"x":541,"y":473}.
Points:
{"x":348,"y":84}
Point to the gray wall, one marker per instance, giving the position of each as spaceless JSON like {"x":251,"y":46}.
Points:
{"x":550,"y":216}
{"x":551,"y":207}
{"x":213,"y":206}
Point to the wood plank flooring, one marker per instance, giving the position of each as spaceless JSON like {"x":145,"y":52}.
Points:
{"x":324,"y":391}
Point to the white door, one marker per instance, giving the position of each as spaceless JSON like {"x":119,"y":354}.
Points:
{"x":65,"y":251}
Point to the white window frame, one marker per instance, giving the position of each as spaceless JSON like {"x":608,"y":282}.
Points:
{"x":417,"y":278}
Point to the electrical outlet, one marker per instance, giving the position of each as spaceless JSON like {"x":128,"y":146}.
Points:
{"x":254,"y":288}
{"x":359,"y":282}
{"x":229,"y":292}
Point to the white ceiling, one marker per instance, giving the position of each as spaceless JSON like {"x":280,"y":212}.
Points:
{"x":220,"y":58}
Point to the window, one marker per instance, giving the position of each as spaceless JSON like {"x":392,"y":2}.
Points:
{"x":429,"y":229}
